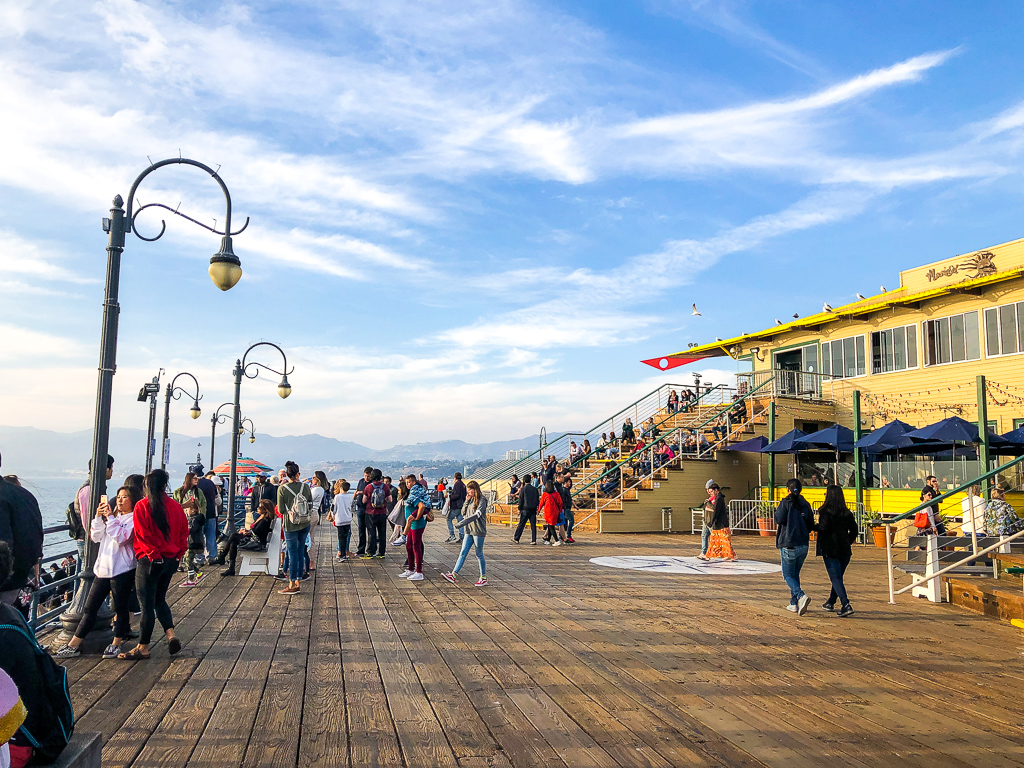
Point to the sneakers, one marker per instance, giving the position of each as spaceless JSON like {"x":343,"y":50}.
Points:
{"x":556,"y":544}
{"x":281,"y":576}
{"x":534,"y":542}
{"x":450,"y":577}
{"x":544,"y":540}
{"x":416,"y":577}
{"x":791,"y":607}
{"x":515,"y":540}
{"x":482,"y":581}
{"x":111,"y":651}
{"x":67,"y":652}
{"x":570,"y":540}
{"x":449,"y":540}
{"x":366,"y":557}
{"x":846,"y":610}
{"x":406,"y":574}
{"x":398,"y":542}
{"x":828,"y":607}
{"x":189,"y":582}
{"x":801,"y":604}
{"x":378,"y":557}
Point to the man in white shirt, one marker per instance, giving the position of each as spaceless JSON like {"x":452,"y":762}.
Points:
{"x":973,"y":508}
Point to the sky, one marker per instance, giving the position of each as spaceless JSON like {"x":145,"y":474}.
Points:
{"x":470,"y":220}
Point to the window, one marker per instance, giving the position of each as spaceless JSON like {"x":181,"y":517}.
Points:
{"x":843,"y":358}
{"x":1018,"y":423}
{"x":952,"y":339}
{"x":894,"y":350}
{"x":1004,"y":330}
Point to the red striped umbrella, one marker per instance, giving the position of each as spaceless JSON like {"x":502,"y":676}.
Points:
{"x":244,"y":467}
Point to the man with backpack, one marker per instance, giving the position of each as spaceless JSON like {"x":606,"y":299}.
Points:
{"x":21,"y":527}
{"x":78,"y":512}
{"x":376,"y":496}
{"x":42,"y":683}
{"x":359,"y":510}
{"x":456,"y":500}
{"x":529,"y":500}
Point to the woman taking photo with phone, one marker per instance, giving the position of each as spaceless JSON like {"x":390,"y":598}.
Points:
{"x":161,"y":538}
{"x":114,"y":571}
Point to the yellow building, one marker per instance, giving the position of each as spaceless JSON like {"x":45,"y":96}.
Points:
{"x":914,"y":352}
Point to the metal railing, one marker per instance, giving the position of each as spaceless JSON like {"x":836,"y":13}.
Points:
{"x":650,"y":405}
{"x":930,"y":556}
{"x":36,"y":620}
{"x":778,"y":382}
{"x":644,"y":469}
{"x":752,"y":515}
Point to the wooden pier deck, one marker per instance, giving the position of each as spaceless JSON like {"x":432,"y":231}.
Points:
{"x":559,"y":662}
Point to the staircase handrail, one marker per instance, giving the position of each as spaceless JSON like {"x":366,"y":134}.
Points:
{"x":942,"y":497}
{"x":623,"y":460}
{"x":535,"y":455}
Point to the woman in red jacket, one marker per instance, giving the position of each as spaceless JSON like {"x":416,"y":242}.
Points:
{"x":551,"y":507}
{"x":161,"y":538}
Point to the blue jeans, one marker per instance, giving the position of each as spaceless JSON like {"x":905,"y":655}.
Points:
{"x":211,"y":539}
{"x":705,"y":538}
{"x":295,"y":542}
{"x":836,"y":568}
{"x":792,"y":561}
{"x":468,"y":541}
{"x":453,"y":516}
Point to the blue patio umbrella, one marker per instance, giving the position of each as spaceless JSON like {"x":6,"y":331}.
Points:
{"x":884,"y":438}
{"x":753,"y":445}
{"x":1009,"y":444}
{"x":785,"y":443}
{"x":949,"y":430}
{"x":835,"y":438}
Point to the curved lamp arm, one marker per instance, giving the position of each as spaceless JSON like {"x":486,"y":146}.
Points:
{"x":222,"y":418}
{"x":284,"y":388}
{"x":225,"y":267}
{"x":175,"y":391}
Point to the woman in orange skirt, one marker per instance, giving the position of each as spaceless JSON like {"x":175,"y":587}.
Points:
{"x":720,"y":545}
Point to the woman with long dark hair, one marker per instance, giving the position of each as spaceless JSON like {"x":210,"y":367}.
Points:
{"x":161,"y":538}
{"x":837,"y":530}
{"x":551,"y":507}
{"x":112,"y":529}
{"x":295,"y":503}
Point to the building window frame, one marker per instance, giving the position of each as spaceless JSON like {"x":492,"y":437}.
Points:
{"x":910,"y":349}
{"x":944,"y":330}
{"x":994,"y":329}
{"x":850,"y":347}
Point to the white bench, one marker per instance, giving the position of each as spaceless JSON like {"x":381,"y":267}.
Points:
{"x":269,"y":561}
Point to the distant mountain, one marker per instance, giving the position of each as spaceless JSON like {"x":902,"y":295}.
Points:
{"x":44,"y":453}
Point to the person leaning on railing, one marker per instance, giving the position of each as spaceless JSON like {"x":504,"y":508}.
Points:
{"x":21,"y":526}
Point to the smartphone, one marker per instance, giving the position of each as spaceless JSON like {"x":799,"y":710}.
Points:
{"x":104,"y":499}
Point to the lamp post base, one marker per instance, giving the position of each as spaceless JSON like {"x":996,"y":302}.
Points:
{"x":70,"y":619}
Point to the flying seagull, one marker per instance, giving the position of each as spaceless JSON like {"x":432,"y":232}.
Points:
{"x":859,"y":296}
{"x":825,"y":307}
{"x":695,"y":313}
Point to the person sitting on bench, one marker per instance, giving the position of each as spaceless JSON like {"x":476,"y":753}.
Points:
{"x":252,"y":538}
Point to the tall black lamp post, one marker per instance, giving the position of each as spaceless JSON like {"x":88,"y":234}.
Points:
{"x":242,"y":368}
{"x":225,"y":271}
{"x":150,"y":392}
{"x":173,"y":390}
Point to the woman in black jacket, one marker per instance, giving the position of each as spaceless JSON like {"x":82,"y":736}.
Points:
{"x":837,"y":530}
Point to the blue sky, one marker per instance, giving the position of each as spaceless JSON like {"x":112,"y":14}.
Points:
{"x":470,"y":220}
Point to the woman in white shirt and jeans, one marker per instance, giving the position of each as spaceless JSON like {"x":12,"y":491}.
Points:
{"x":115,"y":564}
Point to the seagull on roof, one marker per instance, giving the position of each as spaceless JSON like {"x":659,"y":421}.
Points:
{"x":826,"y":307}
{"x":695,"y":313}
{"x":777,"y":321}
{"x":796,"y":315}
{"x":717,"y":339}
{"x":859,"y":296}
{"x":882,"y":287}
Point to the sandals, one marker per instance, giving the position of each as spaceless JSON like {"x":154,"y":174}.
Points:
{"x":133,"y":655}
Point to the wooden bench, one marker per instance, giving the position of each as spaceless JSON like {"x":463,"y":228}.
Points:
{"x":83,"y":751}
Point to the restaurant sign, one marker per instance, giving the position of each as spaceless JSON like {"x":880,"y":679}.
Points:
{"x":979,"y":265}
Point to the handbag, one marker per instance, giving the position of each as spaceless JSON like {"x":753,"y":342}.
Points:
{"x":921,"y":520}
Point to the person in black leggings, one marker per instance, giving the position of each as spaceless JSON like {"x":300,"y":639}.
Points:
{"x":258,"y":531}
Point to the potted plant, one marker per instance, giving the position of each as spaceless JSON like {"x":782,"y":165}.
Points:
{"x":765,"y":519}
{"x":874,"y":520}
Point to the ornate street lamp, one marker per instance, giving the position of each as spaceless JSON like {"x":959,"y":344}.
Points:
{"x":252,"y":430}
{"x":176,"y":392}
{"x":225,"y":271}
{"x":242,"y":368}
{"x":217,"y":418}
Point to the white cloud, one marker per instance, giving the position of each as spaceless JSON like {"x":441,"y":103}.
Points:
{"x":25,"y":344}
